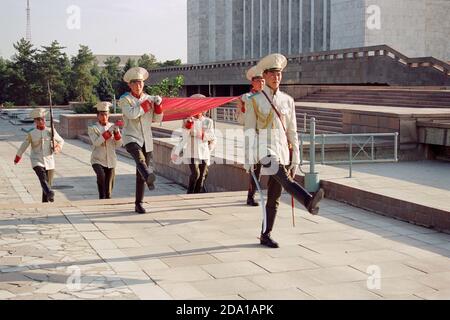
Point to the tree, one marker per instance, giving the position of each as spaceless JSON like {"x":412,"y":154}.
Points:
{"x":22,"y":76}
{"x":123,"y":86}
{"x":148,"y":62}
{"x":113,"y":72}
{"x":167,"y":87}
{"x":82,"y":80}
{"x":54,"y":66}
{"x":104,"y":88}
{"x":4,"y":79}
{"x":128,"y":65}
{"x":171,"y":63}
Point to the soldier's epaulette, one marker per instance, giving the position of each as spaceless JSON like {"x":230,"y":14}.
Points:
{"x":253,"y":95}
{"x":124,"y":95}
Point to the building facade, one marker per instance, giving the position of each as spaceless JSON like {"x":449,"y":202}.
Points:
{"x":221,"y":30}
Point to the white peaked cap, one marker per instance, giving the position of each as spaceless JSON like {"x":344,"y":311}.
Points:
{"x":136,"y":73}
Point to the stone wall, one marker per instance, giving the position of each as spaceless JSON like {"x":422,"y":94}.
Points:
{"x":73,"y":125}
{"x":359,"y":66}
{"x":414,"y":136}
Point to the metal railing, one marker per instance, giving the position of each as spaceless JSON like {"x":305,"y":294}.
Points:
{"x":364,"y":144}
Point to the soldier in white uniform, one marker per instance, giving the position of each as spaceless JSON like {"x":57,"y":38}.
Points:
{"x":105,"y":138}
{"x":197,"y":143}
{"x":42,"y":159}
{"x":255,"y":76}
{"x":271,"y":125}
{"x":139,"y":112}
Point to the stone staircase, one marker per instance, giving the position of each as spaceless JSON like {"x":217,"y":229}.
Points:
{"x":327,"y":120}
{"x":382,"y":97}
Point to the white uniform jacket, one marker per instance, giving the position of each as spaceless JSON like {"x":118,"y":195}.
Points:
{"x":41,"y":154}
{"x":265,"y":130}
{"x":138,"y":124}
{"x":198,"y":142}
{"x":103,"y":152}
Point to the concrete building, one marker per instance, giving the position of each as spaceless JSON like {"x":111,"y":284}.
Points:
{"x":220,"y":30}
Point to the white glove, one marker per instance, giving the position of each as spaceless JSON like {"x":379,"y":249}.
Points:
{"x":293,"y":169}
{"x":249,"y":167}
{"x":156,"y":100}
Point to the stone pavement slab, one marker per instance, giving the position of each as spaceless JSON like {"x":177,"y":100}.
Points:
{"x":170,"y":261}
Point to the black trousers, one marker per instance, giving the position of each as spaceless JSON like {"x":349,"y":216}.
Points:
{"x":281,"y":180}
{"x":199,"y":171}
{"x":105,"y":180}
{"x":46,"y":179}
{"x":144,"y":167}
{"x":252,"y":184}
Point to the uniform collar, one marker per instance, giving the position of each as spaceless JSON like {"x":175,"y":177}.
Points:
{"x":270,"y":91}
{"x":108,"y":124}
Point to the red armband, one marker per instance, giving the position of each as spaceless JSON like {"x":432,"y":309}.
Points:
{"x":158,"y":108}
{"x":117,"y":136}
{"x":189,"y":125}
{"x":17,"y":159}
{"x":146,"y":106}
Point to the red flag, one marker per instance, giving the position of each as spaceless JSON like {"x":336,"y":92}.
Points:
{"x":181,"y":108}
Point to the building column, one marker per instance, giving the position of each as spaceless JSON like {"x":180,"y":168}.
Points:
{"x":279,"y":25}
{"x":312,"y":24}
{"x":270,"y":26}
{"x":260,"y":27}
{"x":300,"y":26}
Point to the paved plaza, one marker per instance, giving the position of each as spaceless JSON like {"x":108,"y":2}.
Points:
{"x":200,"y":246}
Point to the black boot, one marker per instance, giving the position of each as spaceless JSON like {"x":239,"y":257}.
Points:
{"x":312,"y":204}
{"x":139,"y":208}
{"x":267,"y":241}
{"x":51,"y":196}
{"x":151,"y":181}
{"x":298,"y":192}
{"x":252,"y":202}
{"x":149,"y":177}
{"x":265,"y":238}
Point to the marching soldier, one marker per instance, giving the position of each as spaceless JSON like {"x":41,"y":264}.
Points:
{"x":139,"y":112}
{"x":42,"y":159}
{"x":255,"y":76}
{"x":270,"y":122}
{"x":197,"y":143}
{"x":106,"y":138}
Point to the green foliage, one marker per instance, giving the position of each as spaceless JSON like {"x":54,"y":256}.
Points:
{"x":23,"y":73}
{"x":87,"y":107}
{"x":123,"y":87}
{"x":52,"y":65}
{"x":23,"y":79}
{"x":171,"y":63}
{"x":167,"y":87}
{"x":4,"y":79}
{"x":113,"y":73}
{"x":8,"y":104}
{"x":148,"y":62}
{"x":104,"y":88}
{"x":82,"y":79}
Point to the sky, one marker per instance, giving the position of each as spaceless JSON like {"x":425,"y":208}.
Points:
{"x":115,"y":27}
